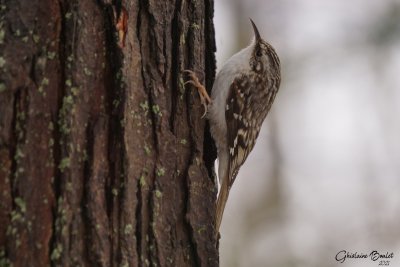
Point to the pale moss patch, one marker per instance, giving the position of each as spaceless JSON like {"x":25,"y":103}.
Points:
{"x":2,"y":62}
{"x":160,"y":171}
{"x":65,"y":162}
{"x":158,"y":193}
{"x":128,"y":229}
{"x":2,"y":87}
{"x":2,"y":36}
{"x":21,"y":204}
{"x":56,"y":253}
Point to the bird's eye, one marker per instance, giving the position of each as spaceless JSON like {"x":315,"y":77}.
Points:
{"x":258,"y":53}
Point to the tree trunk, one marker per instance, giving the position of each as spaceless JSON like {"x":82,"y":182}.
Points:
{"x":105,"y":159}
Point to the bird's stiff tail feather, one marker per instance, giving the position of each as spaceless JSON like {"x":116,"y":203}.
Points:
{"x":221,"y":202}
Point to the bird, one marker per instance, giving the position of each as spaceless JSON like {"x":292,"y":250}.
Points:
{"x":241,"y":97}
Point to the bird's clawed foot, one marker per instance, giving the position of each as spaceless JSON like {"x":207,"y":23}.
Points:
{"x":204,"y":97}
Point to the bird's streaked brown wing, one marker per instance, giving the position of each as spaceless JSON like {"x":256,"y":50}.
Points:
{"x":241,"y":132}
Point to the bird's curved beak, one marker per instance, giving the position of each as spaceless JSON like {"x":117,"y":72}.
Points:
{"x":256,"y":33}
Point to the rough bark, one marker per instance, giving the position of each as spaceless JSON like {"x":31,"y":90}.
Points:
{"x":105,"y":160}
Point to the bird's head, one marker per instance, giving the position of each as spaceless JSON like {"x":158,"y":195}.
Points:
{"x":263,"y":57}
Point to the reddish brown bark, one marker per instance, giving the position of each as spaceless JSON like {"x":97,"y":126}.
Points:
{"x":102,"y":148}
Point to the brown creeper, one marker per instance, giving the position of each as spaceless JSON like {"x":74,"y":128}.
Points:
{"x":241,"y":97}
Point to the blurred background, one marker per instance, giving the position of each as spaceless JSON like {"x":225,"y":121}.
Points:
{"x":325,"y":173}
